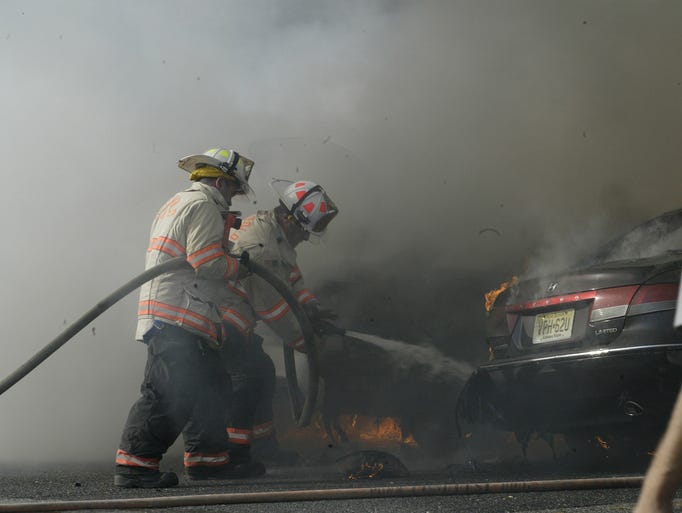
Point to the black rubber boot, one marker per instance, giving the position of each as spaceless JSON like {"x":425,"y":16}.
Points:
{"x":229,"y":471}
{"x":131,"y":477}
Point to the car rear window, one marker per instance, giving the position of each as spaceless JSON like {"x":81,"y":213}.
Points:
{"x":656,"y":237}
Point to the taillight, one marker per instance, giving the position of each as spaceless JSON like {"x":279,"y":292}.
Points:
{"x":654,"y":298}
{"x":633,"y":300}
{"x":611,"y":303}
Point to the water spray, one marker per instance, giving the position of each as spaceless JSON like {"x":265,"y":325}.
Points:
{"x":407,"y":355}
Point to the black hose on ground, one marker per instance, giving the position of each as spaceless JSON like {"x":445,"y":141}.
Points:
{"x":302,"y":413}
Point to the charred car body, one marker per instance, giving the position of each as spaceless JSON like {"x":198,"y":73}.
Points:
{"x":590,"y":352}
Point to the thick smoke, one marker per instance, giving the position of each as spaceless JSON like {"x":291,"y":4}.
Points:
{"x":454,"y":136}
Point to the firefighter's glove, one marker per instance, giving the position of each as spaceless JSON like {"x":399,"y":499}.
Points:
{"x":315,"y":312}
{"x":320,"y":319}
{"x":243,"y":271}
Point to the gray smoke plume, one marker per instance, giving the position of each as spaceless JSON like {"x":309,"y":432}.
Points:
{"x":454,"y":136}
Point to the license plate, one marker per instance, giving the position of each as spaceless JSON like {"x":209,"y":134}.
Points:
{"x":553,"y":326}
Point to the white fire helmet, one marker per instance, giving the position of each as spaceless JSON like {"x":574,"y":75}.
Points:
{"x":228,"y":162}
{"x":307,"y":202}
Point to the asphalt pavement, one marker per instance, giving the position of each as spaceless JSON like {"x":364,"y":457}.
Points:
{"x":51,"y":485}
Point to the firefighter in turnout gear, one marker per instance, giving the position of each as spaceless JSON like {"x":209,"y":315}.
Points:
{"x":270,"y":238}
{"x":185,"y":387}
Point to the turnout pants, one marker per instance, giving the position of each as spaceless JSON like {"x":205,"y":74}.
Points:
{"x":250,"y":417}
{"x":186,"y":389}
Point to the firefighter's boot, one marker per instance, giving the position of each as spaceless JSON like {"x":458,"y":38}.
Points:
{"x":240,"y":466}
{"x":135,"y":477}
{"x":229,"y":471}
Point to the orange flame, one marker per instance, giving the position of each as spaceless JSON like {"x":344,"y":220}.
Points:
{"x":491,"y":296}
{"x":364,"y":429}
{"x":409,"y":441}
{"x":388,"y":429}
{"x":367,"y":471}
{"x":374,"y":429}
{"x":602,"y":442}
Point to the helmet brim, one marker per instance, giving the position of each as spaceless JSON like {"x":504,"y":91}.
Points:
{"x":190,"y":163}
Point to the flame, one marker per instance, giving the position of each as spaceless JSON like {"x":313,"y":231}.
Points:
{"x":491,"y":296}
{"x":409,"y":441}
{"x":388,"y":429}
{"x":602,"y":442}
{"x":374,"y":429}
{"x":367,"y":471}
{"x":366,"y":429}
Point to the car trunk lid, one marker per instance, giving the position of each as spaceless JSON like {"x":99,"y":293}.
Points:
{"x":584,"y":307}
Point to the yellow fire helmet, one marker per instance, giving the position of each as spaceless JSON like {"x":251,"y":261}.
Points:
{"x":219,"y":162}
{"x":308,"y":202}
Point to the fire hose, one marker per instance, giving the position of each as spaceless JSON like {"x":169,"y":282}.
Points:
{"x":331,"y":494}
{"x":302,"y":412}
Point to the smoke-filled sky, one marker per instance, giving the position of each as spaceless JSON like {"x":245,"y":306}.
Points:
{"x":426,"y":121}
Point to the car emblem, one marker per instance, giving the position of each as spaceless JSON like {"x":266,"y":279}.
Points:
{"x":552,"y":287}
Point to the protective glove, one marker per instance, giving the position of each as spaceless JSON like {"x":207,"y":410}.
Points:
{"x":243,"y":271}
{"x":315,"y":312}
{"x":321,"y":318}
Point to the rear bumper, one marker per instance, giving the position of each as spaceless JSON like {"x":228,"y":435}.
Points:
{"x":634,"y":386}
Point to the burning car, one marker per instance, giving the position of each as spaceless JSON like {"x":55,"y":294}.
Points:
{"x":369,"y":376}
{"x":589,"y":352}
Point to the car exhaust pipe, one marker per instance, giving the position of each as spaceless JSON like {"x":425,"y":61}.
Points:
{"x":302,"y":413}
